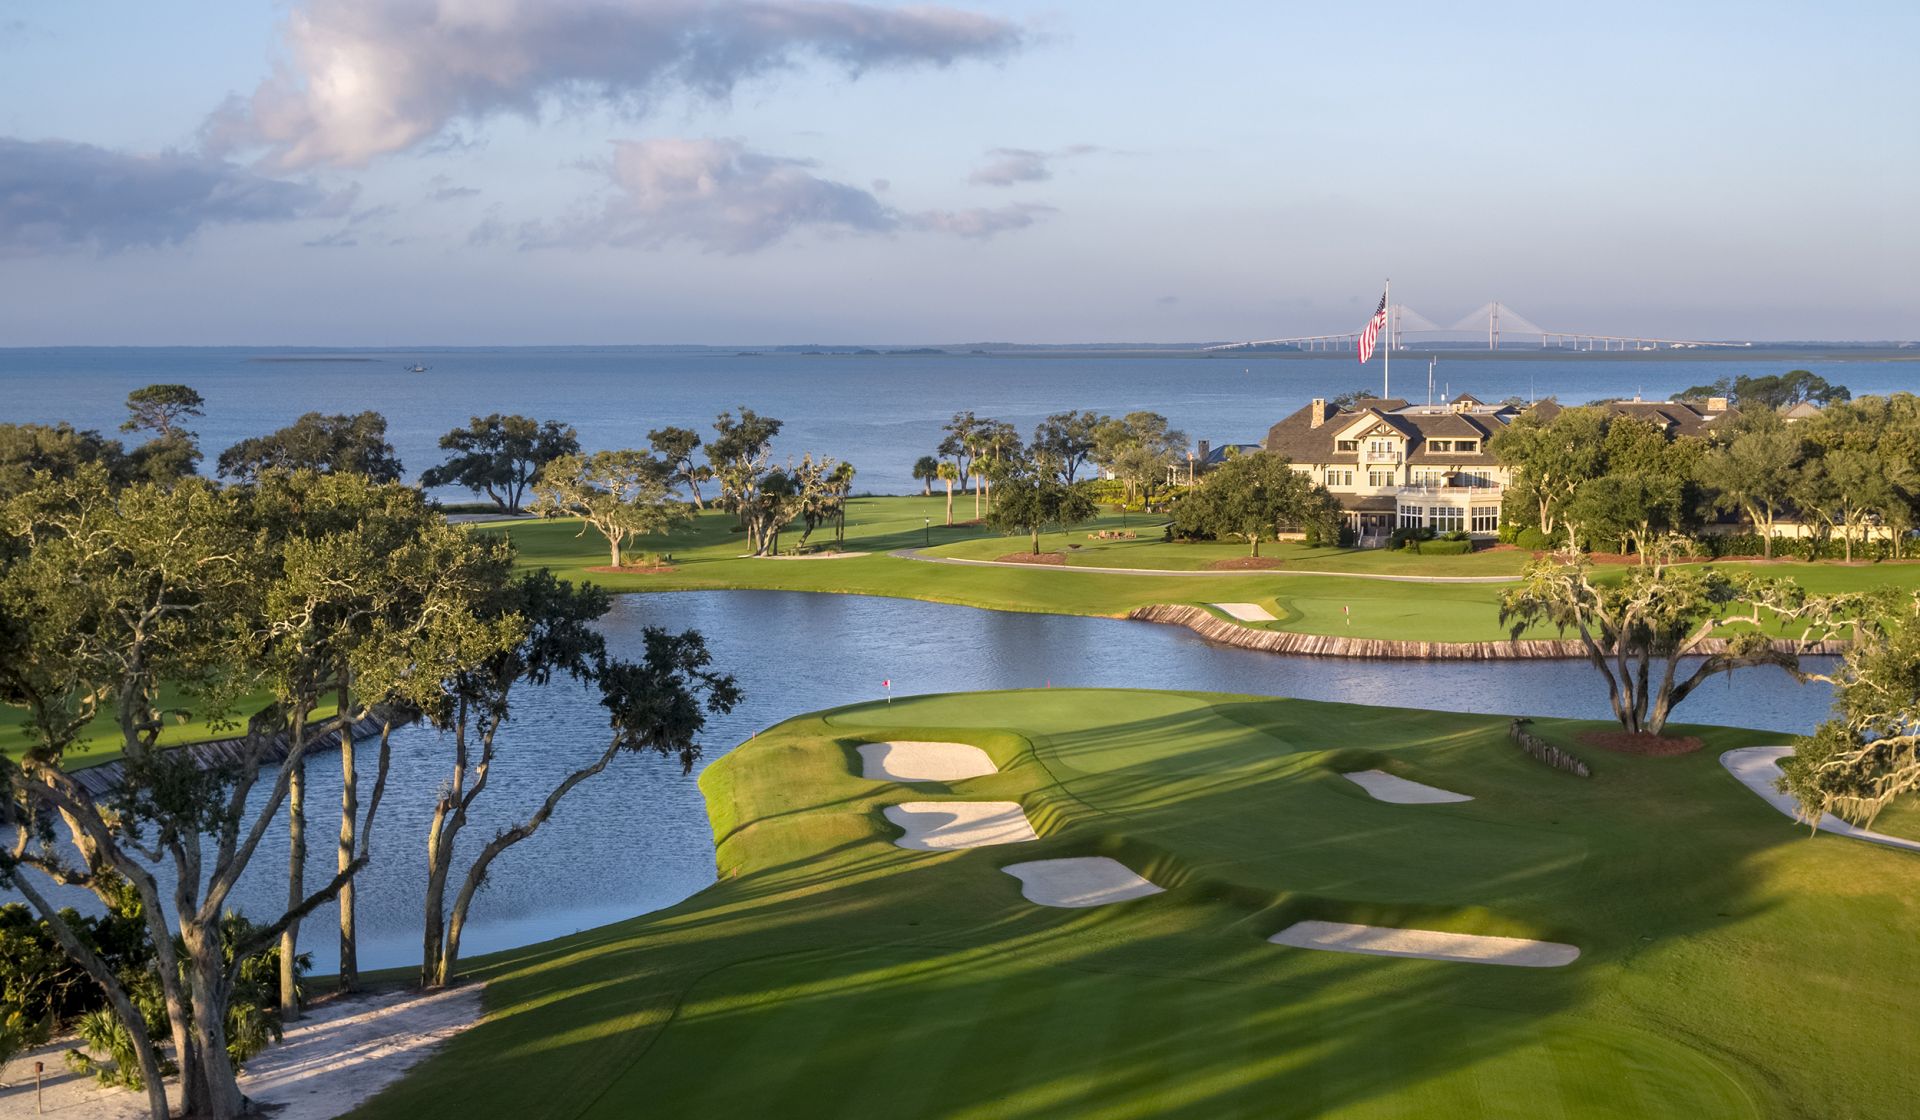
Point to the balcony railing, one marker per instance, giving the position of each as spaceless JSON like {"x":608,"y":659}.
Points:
{"x":1381,"y":456}
{"x":1490,"y":491}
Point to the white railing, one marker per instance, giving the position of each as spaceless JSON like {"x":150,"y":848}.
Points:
{"x":1490,"y":491}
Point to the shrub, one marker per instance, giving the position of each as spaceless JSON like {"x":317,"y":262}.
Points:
{"x":1440,"y":548}
{"x":1532,"y":539}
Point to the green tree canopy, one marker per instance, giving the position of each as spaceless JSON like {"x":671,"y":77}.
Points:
{"x":1868,"y":754}
{"x":61,"y":451}
{"x":335,"y":444}
{"x":1639,"y":630}
{"x":1254,"y":497}
{"x":1064,"y":441}
{"x":620,"y":494}
{"x":499,"y":456}
{"x":1034,"y":499}
{"x":676,"y":446}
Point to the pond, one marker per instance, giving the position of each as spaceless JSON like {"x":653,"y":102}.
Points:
{"x":636,"y":838}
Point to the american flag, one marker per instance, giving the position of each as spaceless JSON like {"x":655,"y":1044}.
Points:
{"x":1372,"y":332}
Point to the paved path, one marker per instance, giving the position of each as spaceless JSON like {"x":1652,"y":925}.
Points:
{"x":1758,"y":768}
{"x":918,"y":554}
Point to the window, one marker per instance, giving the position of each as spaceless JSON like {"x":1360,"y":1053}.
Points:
{"x":1346,"y":445}
{"x":1410,"y":517}
{"x":1339,"y":478}
{"x":1439,"y":445}
{"x":1446,"y":519}
{"x":1486,"y":519}
{"x":1472,"y":478}
{"x":1428,"y":476}
{"x":1466,"y":445}
{"x":1380,"y":448}
{"x":1377,"y":479}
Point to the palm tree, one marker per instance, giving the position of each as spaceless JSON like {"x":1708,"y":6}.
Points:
{"x":949,"y":474}
{"x":924,"y":472}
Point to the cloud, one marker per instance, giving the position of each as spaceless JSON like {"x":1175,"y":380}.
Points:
{"x":59,"y":196}
{"x":338,"y":239}
{"x":725,"y":197}
{"x":1007,"y":166}
{"x":718,"y":194}
{"x":368,"y":77}
{"x":444,"y":189}
{"x":982,"y":222}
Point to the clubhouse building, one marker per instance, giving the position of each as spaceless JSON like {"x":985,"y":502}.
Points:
{"x":1393,"y":465}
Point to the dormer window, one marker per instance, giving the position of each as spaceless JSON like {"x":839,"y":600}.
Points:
{"x":1346,"y":445}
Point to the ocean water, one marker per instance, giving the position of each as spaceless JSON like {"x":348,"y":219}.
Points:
{"x":880,"y":412}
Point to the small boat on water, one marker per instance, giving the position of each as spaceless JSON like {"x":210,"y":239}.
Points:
{"x":416,"y":368}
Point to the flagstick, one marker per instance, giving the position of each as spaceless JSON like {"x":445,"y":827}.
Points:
{"x":1386,"y":362}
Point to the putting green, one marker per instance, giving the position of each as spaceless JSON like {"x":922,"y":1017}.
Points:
{"x":1729,"y":965}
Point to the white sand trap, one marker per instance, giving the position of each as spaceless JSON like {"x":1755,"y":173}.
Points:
{"x":1079,"y":881}
{"x":1386,"y":787}
{"x":330,"y":1062}
{"x":811,"y":556}
{"x":936,"y":826}
{"x":1427,"y":944}
{"x":1758,"y":768}
{"x":911,"y":761}
{"x":1247,"y":612}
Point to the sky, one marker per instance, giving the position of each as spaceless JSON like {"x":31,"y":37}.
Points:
{"x":502,"y":172}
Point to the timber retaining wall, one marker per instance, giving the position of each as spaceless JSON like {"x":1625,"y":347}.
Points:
{"x":1216,"y":629}
{"x":100,"y":780}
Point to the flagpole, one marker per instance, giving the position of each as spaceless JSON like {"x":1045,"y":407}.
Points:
{"x":1386,"y":362}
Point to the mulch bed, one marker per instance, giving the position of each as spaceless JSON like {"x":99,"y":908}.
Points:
{"x":634,"y":569}
{"x":1246,"y":563}
{"x":1030,"y":558}
{"x":1652,"y":746}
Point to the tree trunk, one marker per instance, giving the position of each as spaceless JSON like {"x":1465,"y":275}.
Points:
{"x":613,"y":546}
{"x":977,"y":483}
{"x":123,"y":1009}
{"x":1036,"y":540}
{"x":296,"y":888}
{"x":222,"y":1098}
{"x":440,"y":856}
{"x":949,"y":502}
{"x":1255,"y":540}
{"x":349,"y":817}
{"x":477,"y":874}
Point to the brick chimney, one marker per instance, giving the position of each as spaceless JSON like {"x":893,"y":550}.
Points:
{"x":1200,"y":454}
{"x":1318,"y":413}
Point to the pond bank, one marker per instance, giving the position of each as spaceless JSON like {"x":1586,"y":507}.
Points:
{"x":1216,"y":629}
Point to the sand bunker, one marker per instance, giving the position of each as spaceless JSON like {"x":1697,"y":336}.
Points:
{"x":1247,"y":612}
{"x":911,"y":761}
{"x":1758,"y":768}
{"x":1079,"y":881}
{"x":1386,"y":787}
{"x":937,"y":826}
{"x":342,"y":1053}
{"x":1427,"y":944}
{"x":810,"y":556}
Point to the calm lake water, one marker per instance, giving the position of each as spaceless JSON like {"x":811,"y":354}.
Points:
{"x":636,"y":838}
{"x":880,"y":412}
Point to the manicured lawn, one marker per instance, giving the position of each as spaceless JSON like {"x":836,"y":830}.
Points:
{"x":707,"y":557}
{"x":1730,"y":966}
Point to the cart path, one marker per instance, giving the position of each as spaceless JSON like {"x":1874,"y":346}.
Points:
{"x":919,"y":554}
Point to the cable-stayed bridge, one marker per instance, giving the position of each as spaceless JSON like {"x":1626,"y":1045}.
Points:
{"x":1496,"y":323}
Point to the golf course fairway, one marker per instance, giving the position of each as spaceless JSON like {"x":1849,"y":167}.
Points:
{"x":1729,"y":964}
